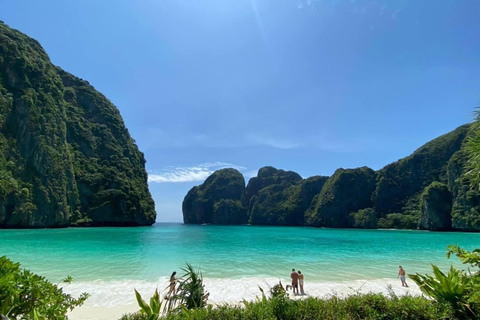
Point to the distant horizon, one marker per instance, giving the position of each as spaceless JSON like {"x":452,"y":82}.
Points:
{"x":306,"y":86}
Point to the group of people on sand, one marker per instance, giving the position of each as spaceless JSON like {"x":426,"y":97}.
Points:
{"x":297,"y":280}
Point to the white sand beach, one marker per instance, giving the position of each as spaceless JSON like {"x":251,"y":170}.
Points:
{"x":110,"y":300}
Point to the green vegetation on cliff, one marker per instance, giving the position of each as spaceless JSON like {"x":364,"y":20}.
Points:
{"x":436,"y":205}
{"x":400,"y":184}
{"x":430,"y":189}
{"x":345,"y":192}
{"x":220,"y":200}
{"x":465,"y":192}
{"x":274,"y":197}
{"x":66,"y":157}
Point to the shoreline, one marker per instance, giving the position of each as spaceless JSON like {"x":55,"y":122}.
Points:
{"x":112,"y":299}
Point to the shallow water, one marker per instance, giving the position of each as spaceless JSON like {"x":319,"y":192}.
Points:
{"x":234,"y":252}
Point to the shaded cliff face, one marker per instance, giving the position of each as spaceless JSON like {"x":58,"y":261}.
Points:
{"x":66,"y":157}
{"x":219,"y":200}
{"x":436,"y":205}
{"x":466,"y":201}
{"x":345,"y":192}
{"x":279,"y":197}
{"x":400,"y":184}
{"x":273,"y":197}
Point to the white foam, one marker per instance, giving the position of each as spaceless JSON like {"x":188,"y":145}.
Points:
{"x":114,"y":294}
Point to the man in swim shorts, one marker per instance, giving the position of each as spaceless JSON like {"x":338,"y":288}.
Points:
{"x":294,"y":276}
{"x":401,"y":274}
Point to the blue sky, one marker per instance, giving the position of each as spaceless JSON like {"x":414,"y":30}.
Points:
{"x":303,"y":85}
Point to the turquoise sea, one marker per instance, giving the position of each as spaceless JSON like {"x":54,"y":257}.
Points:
{"x":233,"y":252}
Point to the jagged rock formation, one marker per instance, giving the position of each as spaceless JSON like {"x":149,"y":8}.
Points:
{"x":219,"y":200}
{"x":361,"y":198}
{"x":66,"y":157}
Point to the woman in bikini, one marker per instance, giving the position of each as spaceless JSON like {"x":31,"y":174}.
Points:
{"x":172,"y":285}
{"x":300,"y":282}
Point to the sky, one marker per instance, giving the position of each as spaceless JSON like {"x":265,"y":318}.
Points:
{"x":302,"y":85}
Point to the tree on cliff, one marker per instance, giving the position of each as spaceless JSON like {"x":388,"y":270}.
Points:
{"x":473,"y":152}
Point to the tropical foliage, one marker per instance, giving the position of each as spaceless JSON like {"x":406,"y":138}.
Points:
{"x":458,"y":288}
{"x":365,"y":218}
{"x":153,"y":310}
{"x":191,"y":293}
{"x":355,"y":307}
{"x":25,"y":295}
{"x":473,"y":151}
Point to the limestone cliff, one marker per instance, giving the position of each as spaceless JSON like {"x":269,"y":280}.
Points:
{"x":219,"y":200}
{"x":428,"y":189}
{"x":66,"y":157}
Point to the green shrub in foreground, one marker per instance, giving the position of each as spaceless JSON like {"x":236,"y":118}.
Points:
{"x":368,"y":306}
{"x":458,"y":288}
{"x":25,"y":295}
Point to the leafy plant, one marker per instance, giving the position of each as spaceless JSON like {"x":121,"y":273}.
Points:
{"x":152,"y":310}
{"x":473,"y":152}
{"x":449,"y":288}
{"x":25,"y":295}
{"x":457,"y":288}
{"x":191,"y":293}
{"x":471,"y":258}
{"x":278,"y":290}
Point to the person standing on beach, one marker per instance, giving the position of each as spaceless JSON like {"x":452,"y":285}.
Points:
{"x":300,"y":281}
{"x":401,"y":274}
{"x":173,"y":282}
{"x":294,"y":276}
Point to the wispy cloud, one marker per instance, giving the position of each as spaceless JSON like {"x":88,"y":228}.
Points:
{"x":275,"y":142}
{"x":322,"y":140}
{"x":384,"y":7}
{"x":395,"y":13}
{"x":188,"y":174}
